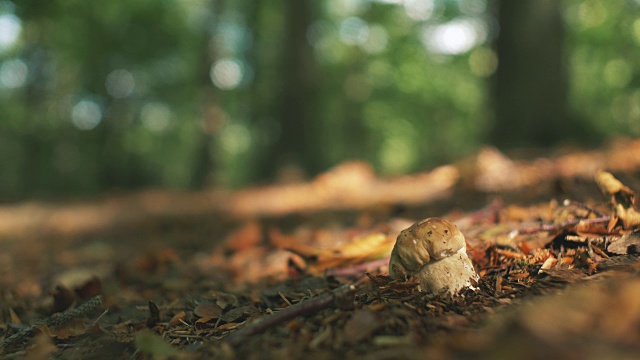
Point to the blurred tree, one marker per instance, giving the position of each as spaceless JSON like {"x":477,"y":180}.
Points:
{"x":299,"y":124}
{"x":531,"y":79}
{"x":204,"y":163}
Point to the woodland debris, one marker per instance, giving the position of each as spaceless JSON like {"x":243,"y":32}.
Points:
{"x":623,"y":199}
{"x":338,"y":297}
{"x":54,"y":321}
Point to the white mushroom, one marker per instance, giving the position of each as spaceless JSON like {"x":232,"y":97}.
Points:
{"x":434,"y":250}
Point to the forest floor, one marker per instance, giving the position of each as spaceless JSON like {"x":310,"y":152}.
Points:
{"x":300,"y":270}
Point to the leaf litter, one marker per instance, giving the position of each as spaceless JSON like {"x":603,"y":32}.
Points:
{"x":552,"y":276}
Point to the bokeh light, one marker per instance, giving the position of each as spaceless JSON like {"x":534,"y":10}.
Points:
{"x":10,"y":28}
{"x":155,"y":116}
{"x":235,"y":138}
{"x":86,"y":114}
{"x":120,"y":83}
{"x":419,"y":10}
{"x":354,"y":31}
{"x":617,"y":73}
{"x":455,"y":37}
{"x":592,"y":13}
{"x":483,"y":61}
{"x":226,"y":74}
{"x":13,"y":74}
{"x":377,"y":40}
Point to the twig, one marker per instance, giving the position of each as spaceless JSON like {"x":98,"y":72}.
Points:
{"x":307,"y":307}
{"x":560,"y":226}
{"x":584,"y":206}
{"x":358,"y":269}
{"x":54,"y":321}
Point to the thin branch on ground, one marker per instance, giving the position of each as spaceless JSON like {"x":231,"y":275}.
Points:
{"x":584,"y":206}
{"x":308,"y":307}
{"x":358,"y":269}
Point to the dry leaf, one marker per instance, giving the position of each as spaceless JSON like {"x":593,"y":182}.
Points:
{"x":176,"y":319}
{"x":626,"y":244}
{"x":362,"y":325}
{"x":622,"y":197}
{"x":14,"y":318}
{"x":610,"y":185}
{"x":208,"y":310}
{"x":360,"y":249}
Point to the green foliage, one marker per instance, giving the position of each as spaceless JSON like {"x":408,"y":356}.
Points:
{"x":174,"y":93}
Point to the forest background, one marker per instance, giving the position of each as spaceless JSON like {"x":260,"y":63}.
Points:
{"x":106,"y":96}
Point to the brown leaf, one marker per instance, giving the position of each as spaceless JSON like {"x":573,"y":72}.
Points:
{"x":247,"y":236}
{"x":362,"y":325}
{"x":175,"y":320}
{"x":13,"y":317}
{"x":626,"y":244}
{"x":609,"y":185}
{"x":622,"y":197}
{"x":240,"y":313}
{"x":629,"y":215}
{"x":208,"y":310}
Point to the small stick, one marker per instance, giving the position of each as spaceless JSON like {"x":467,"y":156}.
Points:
{"x":359,"y":269}
{"x":302,"y":308}
{"x":584,"y":206}
{"x":562,"y":225}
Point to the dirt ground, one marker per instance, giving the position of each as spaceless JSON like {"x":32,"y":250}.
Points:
{"x":301,"y":270}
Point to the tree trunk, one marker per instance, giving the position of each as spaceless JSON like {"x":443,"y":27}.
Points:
{"x":299,"y":133}
{"x":530,"y":94}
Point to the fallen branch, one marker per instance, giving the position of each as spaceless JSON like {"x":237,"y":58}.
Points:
{"x":335,"y":297}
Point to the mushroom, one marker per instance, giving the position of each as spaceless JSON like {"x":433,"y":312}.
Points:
{"x":433,"y":250}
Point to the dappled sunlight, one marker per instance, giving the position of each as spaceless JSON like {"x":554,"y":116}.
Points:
{"x":86,"y":114}
{"x":226,"y":74}
{"x":143,"y":77}
{"x":419,"y":10}
{"x":354,"y":31}
{"x":13,"y":73}
{"x":10,"y":29}
{"x":156,"y":116}
{"x":120,"y":83}
{"x":454,"y":37}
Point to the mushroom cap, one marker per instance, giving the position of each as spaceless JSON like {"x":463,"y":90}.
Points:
{"x":428,"y":240}
{"x":440,"y":237}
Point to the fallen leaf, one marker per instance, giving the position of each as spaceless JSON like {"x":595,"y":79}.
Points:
{"x":208,"y":310}
{"x":622,"y":197}
{"x":152,"y":344}
{"x":43,"y":348}
{"x":13,"y":317}
{"x":176,"y":319}
{"x":240,"y":313}
{"x":610,"y":185}
{"x":362,"y":325}
{"x":626,"y":244}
